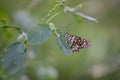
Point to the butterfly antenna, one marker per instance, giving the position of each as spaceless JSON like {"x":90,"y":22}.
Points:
{"x":67,"y":27}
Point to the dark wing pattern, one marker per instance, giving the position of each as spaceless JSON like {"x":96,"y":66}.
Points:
{"x":76,"y":42}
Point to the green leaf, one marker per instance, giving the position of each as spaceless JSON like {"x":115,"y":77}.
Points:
{"x":86,"y":16}
{"x":77,"y":18}
{"x":73,"y":11}
{"x":62,"y":43}
{"x":39,"y":34}
{"x":8,"y":33}
{"x":13,"y":58}
{"x":2,"y":22}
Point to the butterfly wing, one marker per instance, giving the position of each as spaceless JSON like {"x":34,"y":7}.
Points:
{"x":76,"y":42}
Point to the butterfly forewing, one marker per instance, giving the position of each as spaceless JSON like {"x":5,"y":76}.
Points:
{"x":76,"y":42}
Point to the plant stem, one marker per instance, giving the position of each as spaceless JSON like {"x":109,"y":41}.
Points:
{"x":53,"y":17}
{"x":16,"y":28}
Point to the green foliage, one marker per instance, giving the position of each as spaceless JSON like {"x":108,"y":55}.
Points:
{"x":2,"y":22}
{"x":99,"y":62}
{"x":77,"y":18}
{"x":13,"y":58}
{"x":62,"y":43}
{"x":8,"y":33}
{"x":73,"y":11}
{"x":38,"y":34}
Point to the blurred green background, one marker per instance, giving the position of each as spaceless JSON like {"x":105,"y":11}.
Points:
{"x":46,"y":61}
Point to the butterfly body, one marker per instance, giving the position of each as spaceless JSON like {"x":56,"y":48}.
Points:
{"x":76,"y":42}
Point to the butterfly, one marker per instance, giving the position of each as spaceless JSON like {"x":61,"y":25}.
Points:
{"x":76,"y":42}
